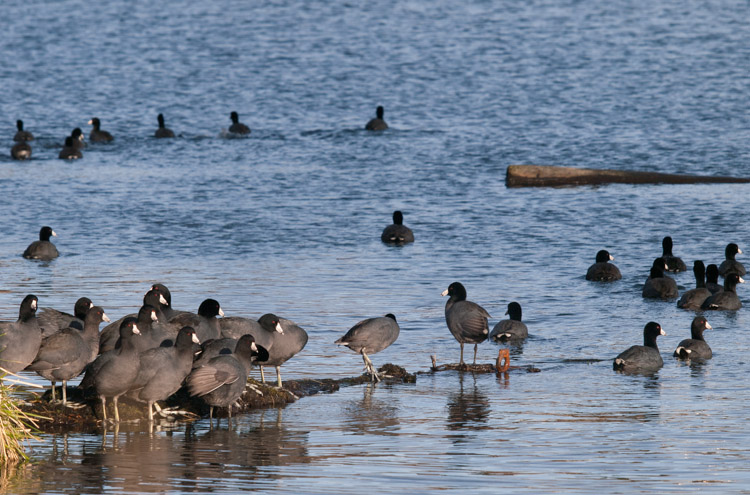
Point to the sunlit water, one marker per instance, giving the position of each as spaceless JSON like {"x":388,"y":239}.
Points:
{"x":288,"y":220}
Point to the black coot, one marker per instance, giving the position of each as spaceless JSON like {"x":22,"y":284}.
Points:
{"x":63,"y":355}
{"x":603,"y":270}
{"x":42,"y":249}
{"x":370,"y":336}
{"x":52,"y":321}
{"x":695,"y":347}
{"x":467,"y":321}
{"x":642,"y":358}
{"x":20,"y":339}
{"x":162,"y":131}
{"x":377,"y":124}
{"x":113,"y":372}
{"x":512,"y":329}
{"x":658,"y":285}
{"x":726,"y":299}
{"x":97,"y":135}
{"x":731,"y":265}
{"x":221,"y":381}
{"x":163,"y":369}
{"x":397,"y":232}
{"x":674,"y":263}
{"x":693,"y":298}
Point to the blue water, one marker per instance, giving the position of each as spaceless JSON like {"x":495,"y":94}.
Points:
{"x":288,"y":220}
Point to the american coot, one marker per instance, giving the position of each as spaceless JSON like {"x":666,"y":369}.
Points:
{"x":285,"y":346}
{"x":162,"y":132}
{"x":237,"y":127}
{"x":642,"y":358}
{"x":113,"y":372}
{"x":370,"y":336}
{"x":70,"y":151}
{"x":97,"y":135}
{"x":693,"y":298}
{"x":151,"y":336}
{"x":163,"y":369}
{"x":377,"y":124}
{"x":52,"y":321}
{"x":674,"y":263}
{"x":603,"y":270}
{"x":111,"y":333}
{"x":225,"y":345}
{"x":21,"y":134}
{"x":20,"y":339}
{"x":726,"y":299}
{"x":467,"y":321}
{"x":205,"y":324}
{"x":695,"y":347}
{"x":78,"y":139}
{"x":42,"y":249}
{"x":221,"y":381}
{"x":21,"y":151}
{"x":658,"y":285}
{"x":712,"y":279}
{"x":397,"y":232}
{"x":512,"y":329}
{"x":63,"y":355}
{"x":730,"y":265}
{"x":261,"y":330}
{"x":166,"y":308}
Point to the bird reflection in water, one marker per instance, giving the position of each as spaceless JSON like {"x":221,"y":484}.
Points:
{"x":375,"y":414}
{"x":468,"y":409}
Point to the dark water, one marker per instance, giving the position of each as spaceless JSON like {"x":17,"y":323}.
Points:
{"x":288,"y":220}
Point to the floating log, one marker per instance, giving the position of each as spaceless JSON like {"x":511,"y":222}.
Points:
{"x":547,"y":175}
{"x":501,"y":365}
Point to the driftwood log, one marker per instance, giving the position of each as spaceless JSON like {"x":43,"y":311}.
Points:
{"x":545,"y":176}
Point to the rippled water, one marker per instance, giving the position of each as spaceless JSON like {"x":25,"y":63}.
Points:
{"x":288,"y":220}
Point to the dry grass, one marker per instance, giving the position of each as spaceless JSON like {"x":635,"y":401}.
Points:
{"x":16,"y":426}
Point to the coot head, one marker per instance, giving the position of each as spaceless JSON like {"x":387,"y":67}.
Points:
{"x":603,"y":256}
{"x":379,"y":112}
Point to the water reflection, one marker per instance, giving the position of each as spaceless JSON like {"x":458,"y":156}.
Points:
{"x":375,"y":414}
{"x":468,"y":409}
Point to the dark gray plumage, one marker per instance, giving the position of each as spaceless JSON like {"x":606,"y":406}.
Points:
{"x":642,"y":358}
{"x":97,"y":135}
{"x":467,"y":321}
{"x":21,"y":151}
{"x":111,"y":333}
{"x":63,"y":355}
{"x":221,"y":381}
{"x":397,"y":232}
{"x":377,"y":124}
{"x":695,"y":347}
{"x":162,"y":131}
{"x":22,"y":135}
{"x":693,"y":298}
{"x":369,"y":337}
{"x":226,"y":345}
{"x":674,"y":263}
{"x":712,"y":279}
{"x":20,"y":339}
{"x":70,"y":151}
{"x":726,"y":299}
{"x":237,"y":127}
{"x":512,"y":329}
{"x":113,"y":372}
{"x":658,"y":285}
{"x":603,"y":270}
{"x":52,"y":321}
{"x":204,"y":323}
{"x":77,"y":137}
{"x":163,"y":369}
{"x":42,"y":249}
{"x":731,"y":265}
